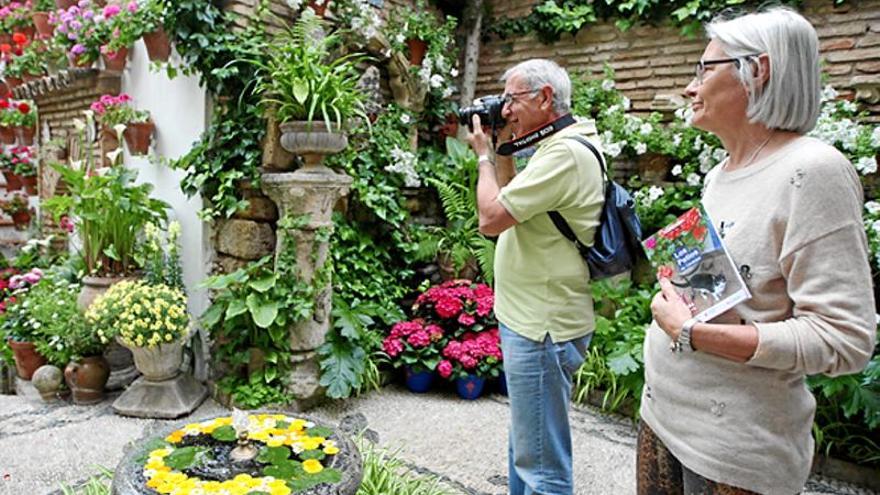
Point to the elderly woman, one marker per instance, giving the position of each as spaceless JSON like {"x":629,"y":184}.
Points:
{"x":725,"y":408}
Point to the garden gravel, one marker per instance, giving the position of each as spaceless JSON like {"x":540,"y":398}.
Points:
{"x":461,"y":442}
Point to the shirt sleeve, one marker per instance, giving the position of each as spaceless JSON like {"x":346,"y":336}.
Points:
{"x":550,"y":182}
{"x":833,"y":325}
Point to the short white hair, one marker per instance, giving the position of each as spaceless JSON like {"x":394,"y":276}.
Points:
{"x":538,"y":72}
{"x":790,"y":99}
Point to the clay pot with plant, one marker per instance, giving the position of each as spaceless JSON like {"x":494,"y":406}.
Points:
{"x":40,"y":16}
{"x":115,"y":113}
{"x":18,"y":209}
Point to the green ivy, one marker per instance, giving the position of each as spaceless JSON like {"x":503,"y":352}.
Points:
{"x":551,"y":19}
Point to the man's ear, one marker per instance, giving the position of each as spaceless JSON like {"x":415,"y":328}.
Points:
{"x":547,"y":97}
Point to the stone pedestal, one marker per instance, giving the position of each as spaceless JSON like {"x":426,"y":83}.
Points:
{"x":313,"y":191}
{"x":165,"y":399}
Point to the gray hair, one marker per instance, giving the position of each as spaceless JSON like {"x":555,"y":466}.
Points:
{"x":790,"y":98}
{"x":538,"y":72}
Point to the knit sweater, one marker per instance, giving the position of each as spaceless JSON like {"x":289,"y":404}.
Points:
{"x":792,"y":223}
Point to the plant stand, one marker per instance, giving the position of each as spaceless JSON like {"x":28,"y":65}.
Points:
{"x":163,"y":391}
{"x":312,"y":190}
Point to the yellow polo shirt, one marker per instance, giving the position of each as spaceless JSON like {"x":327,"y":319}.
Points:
{"x":541,"y":281}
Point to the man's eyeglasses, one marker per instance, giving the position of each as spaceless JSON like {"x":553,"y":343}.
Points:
{"x":700,"y":68}
{"x":510,"y":97}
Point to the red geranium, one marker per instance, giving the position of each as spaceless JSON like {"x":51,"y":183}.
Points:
{"x":24,"y":108}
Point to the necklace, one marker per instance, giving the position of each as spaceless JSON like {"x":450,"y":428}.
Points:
{"x":752,"y":156}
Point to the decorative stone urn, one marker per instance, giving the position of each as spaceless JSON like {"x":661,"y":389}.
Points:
{"x":312,"y":190}
{"x":162,"y":391}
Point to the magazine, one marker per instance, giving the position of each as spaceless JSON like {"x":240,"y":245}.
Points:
{"x":690,"y":254}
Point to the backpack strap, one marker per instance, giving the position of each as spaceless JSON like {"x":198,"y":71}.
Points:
{"x":557,"y":219}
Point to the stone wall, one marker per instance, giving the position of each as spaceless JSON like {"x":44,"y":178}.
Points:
{"x":652,"y":63}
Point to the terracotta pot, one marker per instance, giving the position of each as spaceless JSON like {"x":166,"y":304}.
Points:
{"x":158,"y":45}
{"x":117,"y":61}
{"x":21,"y":219}
{"x":6,"y":38}
{"x":26,"y":78}
{"x":417,"y":49}
{"x":92,"y":287}
{"x":13,"y":180}
{"x":27,"y":359}
{"x":65,"y":4}
{"x":138,"y":137}
{"x":86,"y":379}
{"x":13,"y":82}
{"x":28,"y":31}
{"x":41,"y":22}
{"x":30,"y":184}
{"x":158,"y":363}
{"x":7,"y":135}
{"x":25,"y":135}
{"x":319,"y":9}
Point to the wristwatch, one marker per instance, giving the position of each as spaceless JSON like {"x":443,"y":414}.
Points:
{"x":683,"y":343}
{"x":484,"y":158}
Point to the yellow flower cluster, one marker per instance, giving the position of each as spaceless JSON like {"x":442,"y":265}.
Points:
{"x":262,"y":428}
{"x":141,"y":314}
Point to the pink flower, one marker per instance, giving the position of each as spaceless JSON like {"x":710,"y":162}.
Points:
{"x":392,"y":346}
{"x":66,"y":223}
{"x":453,"y":350}
{"x":111,"y":10}
{"x":404,"y":328}
{"x":447,"y":307}
{"x":98,"y":108}
{"x":651,"y":243}
{"x":466,"y":319}
{"x":419,"y":339}
{"x":435,"y":331}
{"x":468,"y":362}
{"x":444,"y":368}
{"x":132,"y":7}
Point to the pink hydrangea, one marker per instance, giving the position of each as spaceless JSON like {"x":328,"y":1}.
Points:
{"x":419,"y":339}
{"x":444,"y":368}
{"x":447,"y":307}
{"x":392,"y":346}
{"x":466,"y":319}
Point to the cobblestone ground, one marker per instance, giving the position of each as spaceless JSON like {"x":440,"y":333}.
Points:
{"x":462,"y":442}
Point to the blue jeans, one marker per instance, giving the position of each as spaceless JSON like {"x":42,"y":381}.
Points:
{"x":539,"y":378}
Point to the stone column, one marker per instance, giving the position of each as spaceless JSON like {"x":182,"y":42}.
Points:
{"x":313,"y":192}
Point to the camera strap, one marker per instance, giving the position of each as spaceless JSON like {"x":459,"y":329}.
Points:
{"x":514,"y":145}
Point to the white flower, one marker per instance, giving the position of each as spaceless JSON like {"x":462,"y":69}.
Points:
{"x":626,"y":103}
{"x":875,"y":137}
{"x":875,"y":226}
{"x":828,"y":93}
{"x":641,"y":148}
{"x":119,"y":128}
{"x":676,"y":170}
{"x":646,"y":129}
{"x":694,"y":179}
{"x":404,"y":119}
{"x":113,"y":155}
{"x":437,"y":81}
{"x":453,"y":72}
{"x":294,"y":4}
{"x":866,"y":165}
{"x":608,"y":84}
{"x":676,"y":140}
{"x":447,"y":92}
{"x":613,"y":149}
{"x":400,"y":38}
{"x":654,"y":193}
{"x":872,"y":207}
{"x":79,"y":124}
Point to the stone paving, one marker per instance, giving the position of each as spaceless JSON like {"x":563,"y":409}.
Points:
{"x":462,"y":442}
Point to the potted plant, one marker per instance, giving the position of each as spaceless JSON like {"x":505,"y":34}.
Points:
{"x":31,"y":63}
{"x":152,"y":16}
{"x":128,"y":312}
{"x":16,"y":18}
{"x":304,"y":81}
{"x":24,"y":120}
{"x":21,"y":161}
{"x":109,"y":212}
{"x":120,"y":28}
{"x":415,"y":346}
{"x":18,"y":209}
{"x":20,"y":332}
{"x":417,"y":31}
{"x":470,"y":360}
{"x":40,"y":15}
{"x":115,"y":112}
{"x":81,"y":31}
{"x":88,"y":371}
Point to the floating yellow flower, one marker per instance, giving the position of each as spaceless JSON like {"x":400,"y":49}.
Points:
{"x":312,"y":466}
{"x":331,"y":450}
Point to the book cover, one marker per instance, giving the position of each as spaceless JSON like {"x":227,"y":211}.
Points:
{"x":691,"y":254}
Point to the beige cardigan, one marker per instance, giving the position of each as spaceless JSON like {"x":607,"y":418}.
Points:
{"x":794,"y":218}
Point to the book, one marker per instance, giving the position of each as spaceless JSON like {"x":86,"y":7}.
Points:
{"x":690,"y":253}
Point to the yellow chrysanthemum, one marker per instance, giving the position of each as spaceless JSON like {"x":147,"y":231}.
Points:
{"x":331,"y":450}
{"x":312,"y":466}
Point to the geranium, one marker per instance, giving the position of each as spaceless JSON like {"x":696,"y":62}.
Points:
{"x":20,"y":159}
{"x":17,"y":113}
{"x":111,"y":111}
{"x":16,"y":16}
{"x":16,"y":204}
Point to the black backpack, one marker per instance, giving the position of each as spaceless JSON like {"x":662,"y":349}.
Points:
{"x":618,"y":241}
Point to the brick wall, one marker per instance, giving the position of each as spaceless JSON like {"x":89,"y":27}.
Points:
{"x":651,"y":61}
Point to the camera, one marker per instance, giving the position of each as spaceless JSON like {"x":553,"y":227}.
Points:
{"x":489,"y":110}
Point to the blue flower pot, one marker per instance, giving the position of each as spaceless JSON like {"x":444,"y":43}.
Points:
{"x":418,"y":381}
{"x":470,"y":387}
{"x":502,"y":384}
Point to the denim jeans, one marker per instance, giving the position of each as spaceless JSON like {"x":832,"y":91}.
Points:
{"x":539,"y":379}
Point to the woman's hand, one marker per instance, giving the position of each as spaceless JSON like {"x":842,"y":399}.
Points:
{"x":670,"y":309}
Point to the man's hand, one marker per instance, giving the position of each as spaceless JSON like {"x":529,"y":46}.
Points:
{"x":477,"y":138}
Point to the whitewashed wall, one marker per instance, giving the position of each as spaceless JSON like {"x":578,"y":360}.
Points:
{"x":178,"y":108}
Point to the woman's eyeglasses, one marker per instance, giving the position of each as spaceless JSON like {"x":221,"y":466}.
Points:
{"x":700,"y":68}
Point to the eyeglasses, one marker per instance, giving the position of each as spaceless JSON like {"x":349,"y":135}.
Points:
{"x":700,"y":68}
{"x":510,"y":97}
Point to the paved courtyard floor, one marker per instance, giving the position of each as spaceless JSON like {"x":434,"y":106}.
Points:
{"x":462,"y":442}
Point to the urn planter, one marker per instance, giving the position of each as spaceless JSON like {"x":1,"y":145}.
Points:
{"x":86,"y":378}
{"x":311,"y":141}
